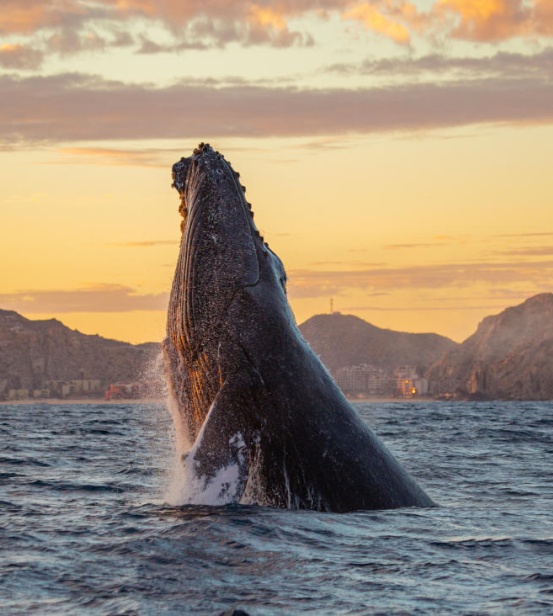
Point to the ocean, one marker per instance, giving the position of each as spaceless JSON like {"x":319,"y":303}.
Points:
{"x":86,"y":528}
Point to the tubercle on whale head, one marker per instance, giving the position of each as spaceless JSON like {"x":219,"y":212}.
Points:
{"x":222,"y":258}
{"x":188,"y":171}
{"x":179,"y":174}
{"x":220,"y":251}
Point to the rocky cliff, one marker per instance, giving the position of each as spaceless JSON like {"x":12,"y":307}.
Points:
{"x":345,"y":340}
{"x":510,"y":356}
{"x":33,"y":353}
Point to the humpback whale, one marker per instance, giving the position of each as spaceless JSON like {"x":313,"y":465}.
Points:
{"x":265,"y":421}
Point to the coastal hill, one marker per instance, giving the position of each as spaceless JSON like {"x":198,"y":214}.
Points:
{"x":346,"y":340}
{"x":37,"y":355}
{"x":509,"y":357}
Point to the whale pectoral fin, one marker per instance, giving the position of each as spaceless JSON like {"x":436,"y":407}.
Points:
{"x":219,"y":460}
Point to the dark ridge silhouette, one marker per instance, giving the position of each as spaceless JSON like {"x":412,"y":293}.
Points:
{"x":33,"y":353}
{"x":345,"y":340}
{"x":509,"y":357}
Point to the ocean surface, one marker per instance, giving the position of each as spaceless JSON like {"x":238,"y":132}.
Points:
{"x":85,"y":527}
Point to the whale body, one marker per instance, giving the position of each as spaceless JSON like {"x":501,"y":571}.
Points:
{"x":265,"y":421}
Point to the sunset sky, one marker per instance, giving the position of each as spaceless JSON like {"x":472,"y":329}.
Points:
{"x":398,"y":155}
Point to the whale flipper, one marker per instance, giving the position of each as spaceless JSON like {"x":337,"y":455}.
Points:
{"x":218,"y":464}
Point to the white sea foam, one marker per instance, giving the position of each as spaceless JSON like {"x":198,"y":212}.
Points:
{"x":177,"y":476}
{"x":191,"y":487}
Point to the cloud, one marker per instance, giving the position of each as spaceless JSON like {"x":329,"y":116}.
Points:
{"x":114,"y":157}
{"x":313,"y":283}
{"x":494,"y":299}
{"x":484,"y":20}
{"x":499,"y":278}
{"x":74,"y":25}
{"x":377,"y":21}
{"x":472,"y":20}
{"x":144,"y":244}
{"x":27,"y":17}
{"x":488,"y":21}
{"x":408,"y":246}
{"x":427,"y":308}
{"x":535,"y":251}
{"x":438,"y":241}
{"x":96,"y":298}
{"x":77,"y":25}
{"x":68,"y":41}
{"x":74,"y":107}
{"x":497,"y":20}
{"x":523,"y":235}
{"x":20,"y":57}
{"x":502,"y":64}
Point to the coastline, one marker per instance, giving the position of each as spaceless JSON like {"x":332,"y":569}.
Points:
{"x":80,"y":401}
{"x":135,"y":401}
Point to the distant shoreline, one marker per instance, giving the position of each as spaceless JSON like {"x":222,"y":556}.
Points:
{"x":80,"y":401}
{"x":90,"y":401}
{"x":157,"y":401}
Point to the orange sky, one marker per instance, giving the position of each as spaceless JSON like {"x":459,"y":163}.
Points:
{"x":397,"y":154}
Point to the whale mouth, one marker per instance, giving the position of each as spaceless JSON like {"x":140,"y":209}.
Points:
{"x":181,"y":168}
{"x":179,"y":173}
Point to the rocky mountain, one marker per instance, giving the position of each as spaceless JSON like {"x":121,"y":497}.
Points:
{"x":34,"y":353}
{"x":509,"y":357}
{"x":345,"y":340}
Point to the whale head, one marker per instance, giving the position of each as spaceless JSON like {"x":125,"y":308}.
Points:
{"x":222,"y":256}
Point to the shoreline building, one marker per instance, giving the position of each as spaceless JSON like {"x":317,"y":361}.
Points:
{"x":409,"y":384}
{"x":371,"y":380}
{"x":364,"y":379}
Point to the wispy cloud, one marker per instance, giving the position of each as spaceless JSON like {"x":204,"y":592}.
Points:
{"x":20,"y":57}
{"x":492,"y":302}
{"x":73,"y":107}
{"x":498,"y":20}
{"x":380,"y":19}
{"x":114,"y":157}
{"x":529,"y":251}
{"x":144,"y":244}
{"x":409,"y":246}
{"x":501,"y":64}
{"x":426,"y":308}
{"x":96,"y":298}
{"x":314,"y":283}
{"x":524,"y":235}
{"x":438,"y":241}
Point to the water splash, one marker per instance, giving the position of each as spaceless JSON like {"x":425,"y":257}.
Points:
{"x":223,"y":487}
{"x":186,"y":484}
{"x":152,"y":378}
{"x":178,"y":476}
{"x":156,"y":385}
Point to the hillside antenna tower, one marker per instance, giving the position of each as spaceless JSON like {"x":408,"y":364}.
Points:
{"x":331,"y":305}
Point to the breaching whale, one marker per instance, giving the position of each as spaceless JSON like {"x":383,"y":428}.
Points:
{"x":265,"y":421}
